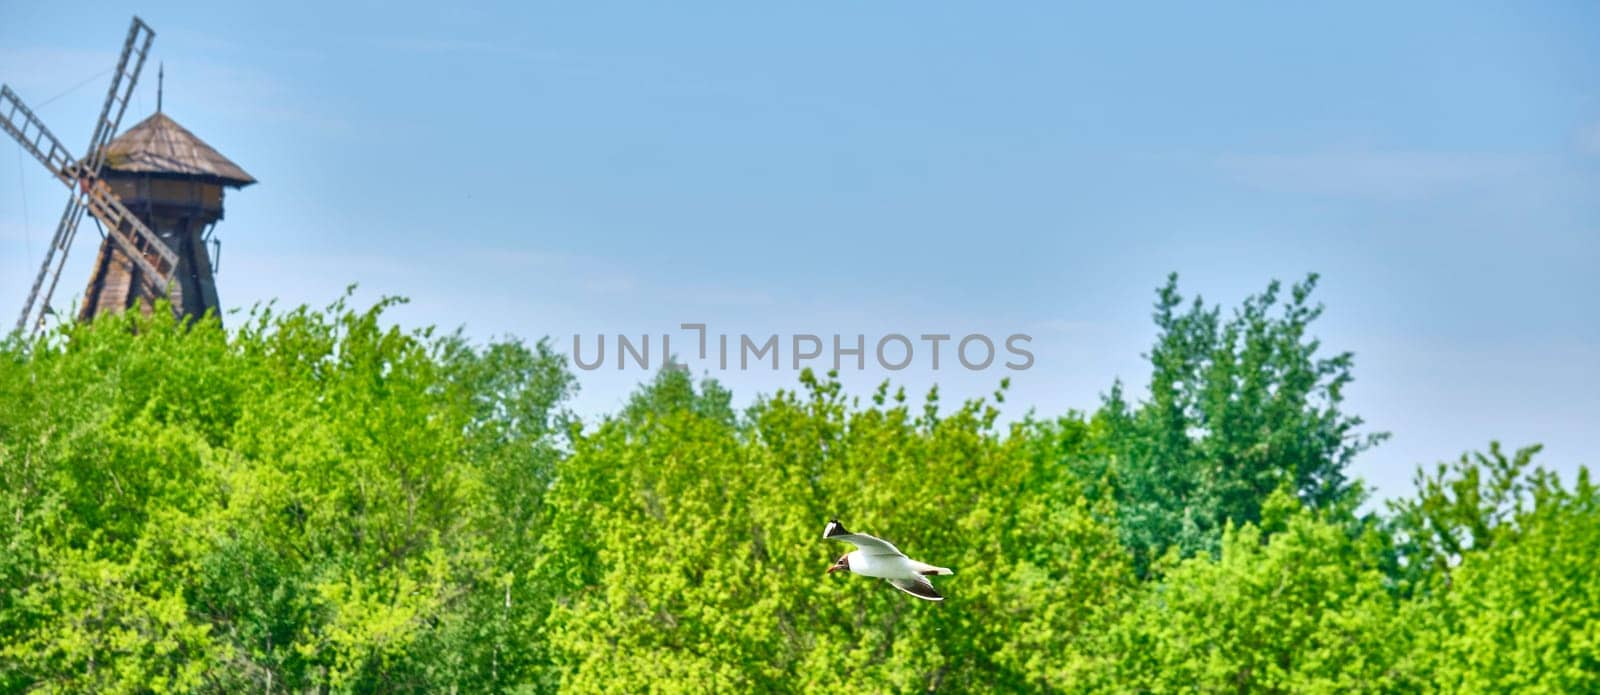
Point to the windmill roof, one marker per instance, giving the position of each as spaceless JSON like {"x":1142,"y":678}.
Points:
{"x":159,"y":146}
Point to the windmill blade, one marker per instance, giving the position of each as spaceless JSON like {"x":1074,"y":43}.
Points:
{"x":88,"y":193}
{"x":129,"y":64}
{"x":23,"y":125}
{"x":66,"y":231}
{"x":18,"y":120}
{"x":158,"y":262}
{"x":126,"y":77}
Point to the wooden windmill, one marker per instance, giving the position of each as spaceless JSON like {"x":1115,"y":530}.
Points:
{"x":155,"y":192}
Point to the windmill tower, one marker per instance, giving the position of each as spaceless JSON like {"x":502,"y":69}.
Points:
{"x":173,"y":181}
{"x":155,"y":193}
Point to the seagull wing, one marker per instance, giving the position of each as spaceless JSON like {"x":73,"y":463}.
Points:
{"x":919,"y":587}
{"x":872,"y":545}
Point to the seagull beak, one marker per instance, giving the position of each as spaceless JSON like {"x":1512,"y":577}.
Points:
{"x":836,"y":567}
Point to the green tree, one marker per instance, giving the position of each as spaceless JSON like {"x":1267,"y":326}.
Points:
{"x":1304,"y":609}
{"x":1237,"y":408}
{"x":1460,"y":507}
{"x":691,"y":555}
{"x":321,"y":501}
{"x":1507,"y":595}
{"x":312,"y":500}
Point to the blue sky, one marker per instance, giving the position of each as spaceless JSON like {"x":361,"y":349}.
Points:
{"x":537,"y":169}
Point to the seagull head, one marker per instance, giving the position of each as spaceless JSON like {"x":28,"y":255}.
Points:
{"x":843,"y":563}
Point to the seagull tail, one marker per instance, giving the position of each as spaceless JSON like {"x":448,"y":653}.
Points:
{"x":928,"y":570}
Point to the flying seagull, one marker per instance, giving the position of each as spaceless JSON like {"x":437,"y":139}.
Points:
{"x":875,"y":557}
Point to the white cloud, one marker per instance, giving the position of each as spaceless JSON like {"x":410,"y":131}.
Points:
{"x":64,"y":86}
{"x":431,"y":45}
{"x":1377,"y":174}
{"x":40,"y":74}
{"x":1589,"y":139}
{"x":725,"y":297}
{"x":548,"y":269}
{"x":1067,"y":326}
{"x":244,"y":94}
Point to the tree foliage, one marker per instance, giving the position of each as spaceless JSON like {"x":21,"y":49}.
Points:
{"x":315,"y":500}
{"x":318,"y":501}
{"x":1237,"y":408}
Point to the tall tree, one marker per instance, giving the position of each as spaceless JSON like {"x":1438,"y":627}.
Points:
{"x":1237,"y":408}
